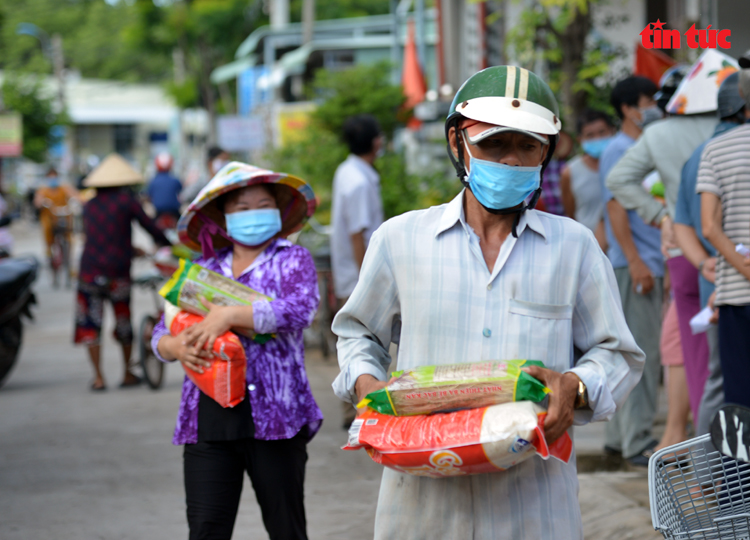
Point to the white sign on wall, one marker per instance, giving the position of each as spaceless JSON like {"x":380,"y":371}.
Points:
{"x":240,"y":133}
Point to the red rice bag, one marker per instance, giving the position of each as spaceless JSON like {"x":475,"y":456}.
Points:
{"x":471,"y":441}
{"x":224,"y":380}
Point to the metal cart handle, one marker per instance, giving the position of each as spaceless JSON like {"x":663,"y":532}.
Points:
{"x":730,"y":518}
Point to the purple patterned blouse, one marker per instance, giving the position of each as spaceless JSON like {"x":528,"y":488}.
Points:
{"x":280,"y":395}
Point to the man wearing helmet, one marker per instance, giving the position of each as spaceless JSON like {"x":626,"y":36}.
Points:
{"x":164,"y":192}
{"x":487,"y":277}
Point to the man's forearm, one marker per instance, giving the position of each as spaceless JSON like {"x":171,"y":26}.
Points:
{"x":358,"y":247}
{"x":713,"y":230}
{"x":726,"y":247}
{"x":624,"y":181}
{"x":690,"y":245}
{"x":618,"y":218}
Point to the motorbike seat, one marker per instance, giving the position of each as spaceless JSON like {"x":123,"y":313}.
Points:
{"x":16,"y":275}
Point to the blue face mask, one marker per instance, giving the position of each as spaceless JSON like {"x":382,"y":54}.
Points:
{"x":53,"y":181}
{"x":497,"y":186}
{"x":254,"y":227}
{"x":595,"y":147}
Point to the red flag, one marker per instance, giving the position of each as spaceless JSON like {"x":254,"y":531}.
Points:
{"x":651,"y":63}
{"x":412,"y":78}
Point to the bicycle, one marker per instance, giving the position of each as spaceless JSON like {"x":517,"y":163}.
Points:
{"x":152,"y":367}
{"x":316,"y":238}
{"x":61,"y":246}
{"x":697,"y":491}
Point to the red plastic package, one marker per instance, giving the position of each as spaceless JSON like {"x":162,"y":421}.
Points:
{"x":224,"y":380}
{"x":471,"y":441}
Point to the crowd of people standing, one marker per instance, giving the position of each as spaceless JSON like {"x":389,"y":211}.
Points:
{"x":674,"y":171}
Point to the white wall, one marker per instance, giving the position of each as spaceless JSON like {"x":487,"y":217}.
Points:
{"x":631,"y":15}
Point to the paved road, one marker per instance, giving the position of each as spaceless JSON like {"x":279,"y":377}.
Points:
{"x":81,"y":465}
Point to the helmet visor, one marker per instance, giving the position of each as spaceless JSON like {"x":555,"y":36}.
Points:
{"x":478,"y":131}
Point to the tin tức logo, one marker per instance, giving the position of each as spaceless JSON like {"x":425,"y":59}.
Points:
{"x":695,"y":38}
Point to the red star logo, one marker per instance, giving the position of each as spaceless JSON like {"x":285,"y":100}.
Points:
{"x":658,"y":24}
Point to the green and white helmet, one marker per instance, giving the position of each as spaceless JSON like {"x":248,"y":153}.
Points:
{"x":511,"y":98}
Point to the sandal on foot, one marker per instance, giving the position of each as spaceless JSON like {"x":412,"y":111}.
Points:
{"x":98,"y":388}
{"x":135,"y":381}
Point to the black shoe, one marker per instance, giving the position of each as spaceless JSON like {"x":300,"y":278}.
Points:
{"x":612,"y":451}
{"x":641,"y":460}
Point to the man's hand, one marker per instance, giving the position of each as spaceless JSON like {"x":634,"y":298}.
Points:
{"x":562,"y":399}
{"x":715,"y":316}
{"x":709,"y":269}
{"x":640,"y":275}
{"x":366,"y":384}
{"x":668,"y":239}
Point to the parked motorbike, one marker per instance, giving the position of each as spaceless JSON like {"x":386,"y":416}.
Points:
{"x":16,"y":298}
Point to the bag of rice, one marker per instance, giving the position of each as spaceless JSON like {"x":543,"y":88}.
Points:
{"x":429,"y":389}
{"x":224,"y":380}
{"x":471,"y":441}
{"x":191,"y":281}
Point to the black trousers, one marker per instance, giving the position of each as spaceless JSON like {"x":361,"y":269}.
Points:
{"x":734,"y":352}
{"x":213,"y":484}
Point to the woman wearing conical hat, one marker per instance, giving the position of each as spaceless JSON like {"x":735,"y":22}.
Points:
{"x":240,"y":221}
{"x":104,"y":272}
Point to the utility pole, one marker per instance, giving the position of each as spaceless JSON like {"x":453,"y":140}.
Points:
{"x":308,"y":20}
{"x":279,"y":13}
{"x":58,"y":61}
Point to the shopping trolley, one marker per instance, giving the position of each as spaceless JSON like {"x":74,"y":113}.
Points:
{"x":698,"y":493}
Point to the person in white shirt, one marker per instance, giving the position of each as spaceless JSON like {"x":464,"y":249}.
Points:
{"x":487,"y":277}
{"x":356,"y":210}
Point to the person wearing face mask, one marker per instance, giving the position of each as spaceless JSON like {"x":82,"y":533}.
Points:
{"x":240,"y":222}
{"x":52,"y":195}
{"x":488,"y":277}
{"x":666,"y":145}
{"x":634,"y":251}
{"x":217,"y":158}
{"x":581,"y":189}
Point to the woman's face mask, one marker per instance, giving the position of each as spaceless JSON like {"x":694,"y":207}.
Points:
{"x":595,"y":147}
{"x":498,"y":186}
{"x":254,"y":227}
{"x":53,"y":181}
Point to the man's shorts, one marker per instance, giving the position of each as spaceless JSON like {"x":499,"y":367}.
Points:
{"x":92,"y":292}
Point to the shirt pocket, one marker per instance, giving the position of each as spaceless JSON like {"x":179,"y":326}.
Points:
{"x":544,"y":332}
{"x":541,"y":311}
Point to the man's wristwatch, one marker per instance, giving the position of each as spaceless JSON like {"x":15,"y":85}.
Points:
{"x":582,"y":396}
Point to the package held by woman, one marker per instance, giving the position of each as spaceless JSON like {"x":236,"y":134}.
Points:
{"x":191,"y":282}
{"x":224,"y":380}
{"x":429,"y":389}
{"x":471,"y":441}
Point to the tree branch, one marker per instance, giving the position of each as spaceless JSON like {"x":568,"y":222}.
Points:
{"x":547,"y":25}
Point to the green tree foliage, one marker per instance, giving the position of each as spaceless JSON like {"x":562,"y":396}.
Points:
{"x":340,"y":9}
{"x":361,"y":89}
{"x":340,"y":94}
{"x":579,"y":59}
{"x":96,"y":39}
{"x":25,"y":95}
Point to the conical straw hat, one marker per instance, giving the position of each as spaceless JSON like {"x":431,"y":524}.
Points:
{"x":294,"y":197}
{"x":112,"y":172}
{"x":699,"y":90}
